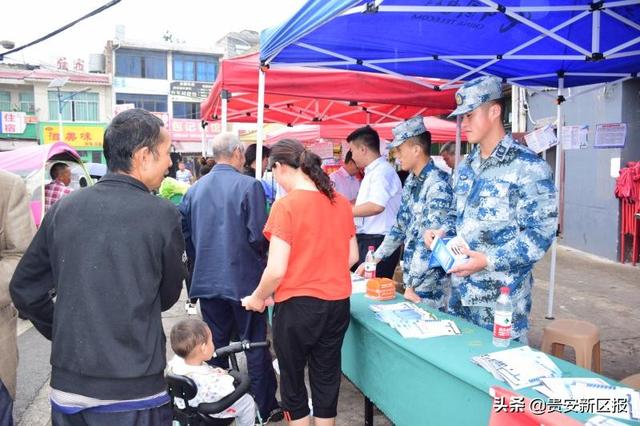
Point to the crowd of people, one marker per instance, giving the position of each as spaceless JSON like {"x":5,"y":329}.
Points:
{"x":100,"y":300}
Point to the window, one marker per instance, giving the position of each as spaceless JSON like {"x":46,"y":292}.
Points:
{"x":186,"y":110}
{"x":141,"y":64}
{"x":26,"y":102}
{"x":153,"y":103}
{"x":194,"y":67}
{"x":5,"y":101}
{"x":82,"y":107}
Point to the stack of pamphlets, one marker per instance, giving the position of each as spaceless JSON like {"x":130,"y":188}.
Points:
{"x":519,"y":367}
{"x":358,"y":284}
{"x":593,"y":395}
{"x":413,"y":322}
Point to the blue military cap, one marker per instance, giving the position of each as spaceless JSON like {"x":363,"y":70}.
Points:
{"x":407,"y":129}
{"x":474,"y":93}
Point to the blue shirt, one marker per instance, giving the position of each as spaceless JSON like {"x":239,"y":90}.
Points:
{"x":506,"y":208}
{"x":223,"y":217}
{"x":426,"y":203}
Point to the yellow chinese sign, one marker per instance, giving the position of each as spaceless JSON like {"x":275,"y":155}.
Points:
{"x":77,"y":135}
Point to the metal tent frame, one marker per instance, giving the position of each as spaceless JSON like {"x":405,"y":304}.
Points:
{"x":313,"y":16}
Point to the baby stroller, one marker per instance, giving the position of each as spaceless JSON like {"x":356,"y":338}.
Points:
{"x":182,"y":387}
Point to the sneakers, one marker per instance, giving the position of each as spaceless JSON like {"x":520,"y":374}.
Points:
{"x":275,"y":415}
{"x":191,"y":308}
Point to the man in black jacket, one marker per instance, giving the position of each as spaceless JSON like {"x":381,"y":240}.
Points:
{"x":112,"y":254}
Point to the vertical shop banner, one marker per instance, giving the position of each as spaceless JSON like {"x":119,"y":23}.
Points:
{"x":12,"y":122}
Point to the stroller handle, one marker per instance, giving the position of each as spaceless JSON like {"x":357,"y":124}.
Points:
{"x":236,"y":347}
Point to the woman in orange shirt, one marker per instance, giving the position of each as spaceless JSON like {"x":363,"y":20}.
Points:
{"x":313,"y":245}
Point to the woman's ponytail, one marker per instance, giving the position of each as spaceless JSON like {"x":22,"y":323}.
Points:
{"x":311,"y":165}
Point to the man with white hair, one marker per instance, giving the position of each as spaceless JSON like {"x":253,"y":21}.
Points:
{"x":222,"y":220}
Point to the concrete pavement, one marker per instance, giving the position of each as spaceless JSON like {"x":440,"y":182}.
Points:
{"x":603,"y":292}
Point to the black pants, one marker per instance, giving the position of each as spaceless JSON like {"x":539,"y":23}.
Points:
{"x":307,"y":330}
{"x":225,"y":316}
{"x":189,"y":267}
{"x":386,"y":267}
{"x":6,"y":407}
{"x":161,"y":416}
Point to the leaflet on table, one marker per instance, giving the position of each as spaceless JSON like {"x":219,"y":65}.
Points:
{"x":413,"y":322}
{"x":519,"y":367}
{"x":603,"y":421}
{"x":358,"y":284}
{"x":447,"y":252}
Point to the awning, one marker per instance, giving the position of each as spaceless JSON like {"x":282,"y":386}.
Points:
{"x":441,"y":131}
{"x":302,"y":95}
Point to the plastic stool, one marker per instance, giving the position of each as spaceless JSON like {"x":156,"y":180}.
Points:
{"x":582,"y":336}
{"x":632,"y":381}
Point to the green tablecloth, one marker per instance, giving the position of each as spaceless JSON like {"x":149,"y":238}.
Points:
{"x":427,"y":381}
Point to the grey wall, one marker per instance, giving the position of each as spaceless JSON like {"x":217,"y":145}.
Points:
{"x":591,"y":211}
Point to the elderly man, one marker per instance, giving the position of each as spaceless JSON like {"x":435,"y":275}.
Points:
{"x":222,"y":218}
{"x":448,"y":154}
{"x":379,"y":197}
{"x":16,"y":231}
{"x":59,"y":186}
{"x":426,"y":201}
{"x":505,"y":208}
{"x":344,"y":179}
{"x":108,"y":344}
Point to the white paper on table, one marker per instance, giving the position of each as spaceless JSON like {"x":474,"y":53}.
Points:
{"x":603,"y":421}
{"x":595,"y":392}
{"x":519,"y":367}
{"x":358,"y":284}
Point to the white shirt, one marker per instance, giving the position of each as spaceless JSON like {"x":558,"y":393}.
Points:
{"x":345,"y":184}
{"x":381,"y":185}
{"x":184,"y":175}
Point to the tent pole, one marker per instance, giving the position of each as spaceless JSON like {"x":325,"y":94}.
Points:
{"x":458,"y":140}
{"x":260,"y":123}
{"x":225,"y":110}
{"x":204,"y":138}
{"x":552,"y":271}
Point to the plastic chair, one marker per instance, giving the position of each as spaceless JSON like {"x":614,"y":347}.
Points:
{"x":583,"y":336}
{"x":182,"y":387}
{"x":632,"y":381}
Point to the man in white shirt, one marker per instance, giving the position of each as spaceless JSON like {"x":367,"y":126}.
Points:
{"x":379,"y":197}
{"x":183,"y":174}
{"x":344,"y":179}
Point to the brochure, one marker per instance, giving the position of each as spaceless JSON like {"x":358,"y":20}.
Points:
{"x":448,"y":252}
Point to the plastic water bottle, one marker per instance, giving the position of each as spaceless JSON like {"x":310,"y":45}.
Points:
{"x":503,"y":317}
{"x":370,"y":264}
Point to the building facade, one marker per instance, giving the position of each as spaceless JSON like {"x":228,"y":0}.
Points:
{"x":591,"y":212}
{"x":27,"y":100}
{"x":168,"y":79}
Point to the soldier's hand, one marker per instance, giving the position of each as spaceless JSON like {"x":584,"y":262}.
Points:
{"x":411,"y":295}
{"x":430,"y":234}
{"x":477,"y":262}
{"x":360,"y":270}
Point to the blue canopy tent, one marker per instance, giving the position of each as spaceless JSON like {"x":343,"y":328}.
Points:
{"x":535,"y":43}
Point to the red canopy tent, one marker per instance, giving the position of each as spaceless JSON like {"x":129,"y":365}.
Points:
{"x":296,"y":96}
{"x":441,"y":131}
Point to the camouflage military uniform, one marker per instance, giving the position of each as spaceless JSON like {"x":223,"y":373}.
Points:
{"x":426,"y":203}
{"x":505,"y":207}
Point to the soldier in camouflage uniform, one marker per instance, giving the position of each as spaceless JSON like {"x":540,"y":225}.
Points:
{"x":426,"y":202}
{"x":505,"y":208}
